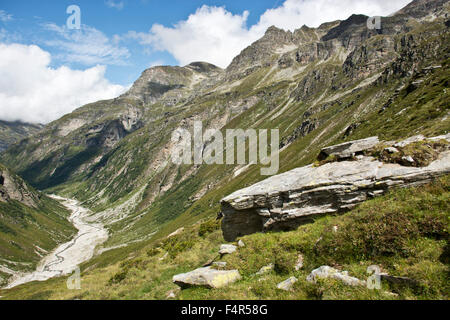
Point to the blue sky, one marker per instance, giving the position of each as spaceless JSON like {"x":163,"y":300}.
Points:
{"x":48,"y":70}
{"x":29,"y":18}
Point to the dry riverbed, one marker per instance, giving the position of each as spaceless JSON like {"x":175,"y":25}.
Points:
{"x":68,"y":256}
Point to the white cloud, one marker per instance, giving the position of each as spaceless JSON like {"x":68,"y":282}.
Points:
{"x":295,"y":13}
{"x":156,"y":63}
{"x":215,"y":35}
{"x":31,"y":91}
{"x":114,"y":4}
{"x":211,"y":34}
{"x":5,"y":17}
{"x":87,"y":46}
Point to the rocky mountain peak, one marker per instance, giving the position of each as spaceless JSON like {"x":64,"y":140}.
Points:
{"x":422,"y":8}
{"x":260,"y":52}
{"x":204,"y":67}
{"x":156,"y":81}
{"x":355,"y":20}
{"x":274,"y":31}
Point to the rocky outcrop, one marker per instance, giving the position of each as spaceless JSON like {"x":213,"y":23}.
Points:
{"x":265,"y":269}
{"x":288,"y":284}
{"x":12,"y":132}
{"x":12,"y":187}
{"x":305,"y":128}
{"x":285,"y":201}
{"x":206,"y":277}
{"x":349,"y":149}
{"x":325,"y":272}
{"x":157,"y":81}
{"x":227,"y":249}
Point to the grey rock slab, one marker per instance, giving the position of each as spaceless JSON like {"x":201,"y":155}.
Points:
{"x":325,"y":272}
{"x":391,"y":150}
{"x":349,"y":149}
{"x":410,"y":140}
{"x":220,"y":264}
{"x":408,"y":159}
{"x":287,"y":200}
{"x":288,"y":284}
{"x":207,"y":277}
{"x":265,"y":269}
{"x":227,"y":249}
{"x":176,"y":232}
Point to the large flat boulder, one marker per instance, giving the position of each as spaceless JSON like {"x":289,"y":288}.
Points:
{"x":227,"y":249}
{"x":348,"y":149}
{"x":206,"y":277}
{"x":285,"y":201}
{"x":325,"y":272}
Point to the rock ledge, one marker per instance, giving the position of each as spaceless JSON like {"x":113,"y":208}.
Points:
{"x":285,"y":201}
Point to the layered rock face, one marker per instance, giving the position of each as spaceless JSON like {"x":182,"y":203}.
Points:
{"x":13,"y":187}
{"x":12,"y":132}
{"x":285,"y":201}
{"x":172,"y":82}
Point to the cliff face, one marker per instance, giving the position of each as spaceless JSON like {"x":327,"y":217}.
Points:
{"x":13,"y":187}
{"x":318,"y":86}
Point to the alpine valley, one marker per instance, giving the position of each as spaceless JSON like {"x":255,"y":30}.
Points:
{"x":363,"y":117}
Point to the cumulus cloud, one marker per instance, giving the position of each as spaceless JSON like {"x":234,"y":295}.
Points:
{"x":211,"y":34}
{"x":215,"y":35}
{"x":295,"y":13}
{"x":115,"y":4}
{"x":5,"y":17}
{"x":31,"y":91}
{"x":87,"y":46}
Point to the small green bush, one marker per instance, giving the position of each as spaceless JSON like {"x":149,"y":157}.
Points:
{"x":133,"y":263}
{"x":118,"y":277}
{"x":152,"y":252}
{"x":285,"y":262}
{"x":176,"y":245}
{"x":208,"y":227}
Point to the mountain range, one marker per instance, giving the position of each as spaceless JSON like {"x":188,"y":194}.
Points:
{"x":318,"y":86}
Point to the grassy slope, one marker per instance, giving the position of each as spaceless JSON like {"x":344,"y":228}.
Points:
{"x":24,"y":229}
{"x":419,"y":118}
{"x":31,"y":226}
{"x":406,"y":233}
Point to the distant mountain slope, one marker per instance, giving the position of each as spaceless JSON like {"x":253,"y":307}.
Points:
{"x":31,"y":225}
{"x":12,"y":132}
{"x":318,"y":86}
